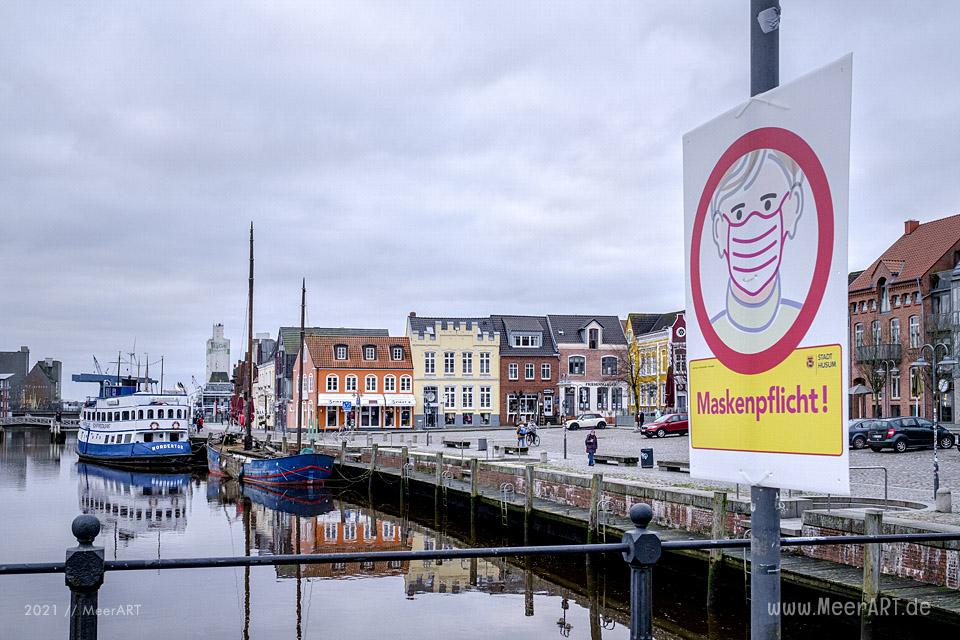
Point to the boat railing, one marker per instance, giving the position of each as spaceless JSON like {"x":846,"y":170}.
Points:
{"x":85,"y":566}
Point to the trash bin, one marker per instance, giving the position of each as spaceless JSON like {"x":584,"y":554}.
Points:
{"x":646,"y":458}
{"x":481,"y":444}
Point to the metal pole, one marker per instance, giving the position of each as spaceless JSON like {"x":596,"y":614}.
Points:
{"x":936,"y":403}
{"x":645,"y":549}
{"x":83,"y":573}
{"x":765,"y":520}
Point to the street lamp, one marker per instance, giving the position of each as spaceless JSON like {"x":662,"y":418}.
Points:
{"x":563,"y":423}
{"x":947,"y":361}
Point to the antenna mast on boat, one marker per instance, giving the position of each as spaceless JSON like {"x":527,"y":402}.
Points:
{"x":300,"y":354}
{"x":248,"y":436}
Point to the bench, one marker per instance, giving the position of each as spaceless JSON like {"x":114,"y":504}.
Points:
{"x":510,"y":450}
{"x":457,"y":444}
{"x":623,"y":461}
{"x":674,"y":465}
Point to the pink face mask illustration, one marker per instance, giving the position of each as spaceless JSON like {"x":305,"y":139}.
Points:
{"x":754,"y":248}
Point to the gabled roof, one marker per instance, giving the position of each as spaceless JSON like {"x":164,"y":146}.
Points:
{"x":525,"y":324}
{"x":642,"y":323}
{"x":566,"y":328}
{"x":322,"y":351}
{"x":420,"y":324}
{"x":913,"y":254}
{"x":291,"y":335}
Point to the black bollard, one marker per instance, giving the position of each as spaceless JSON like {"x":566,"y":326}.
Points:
{"x":643,"y":554}
{"x":83,"y":573}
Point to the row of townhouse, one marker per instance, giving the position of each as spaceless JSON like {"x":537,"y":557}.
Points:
{"x":902,"y":308}
{"x":473,"y":371}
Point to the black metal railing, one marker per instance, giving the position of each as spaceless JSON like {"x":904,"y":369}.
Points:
{"x":878,"y":352}
{"x":641,"y":548}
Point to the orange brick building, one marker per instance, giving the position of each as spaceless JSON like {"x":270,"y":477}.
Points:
{"x":363,"y":381}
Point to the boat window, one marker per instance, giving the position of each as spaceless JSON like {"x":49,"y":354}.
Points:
{"x":140,"y":414}
{"x":148,"y":437}
{"x":149,"y":414}
{"x":179,"y":414}
{"x":126,"y":415}
{"x":174,"y":437}
{"x":127,"y":437}
{"x":170,"y":413}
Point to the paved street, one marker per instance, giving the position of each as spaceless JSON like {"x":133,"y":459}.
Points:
{"x":910,"y":474}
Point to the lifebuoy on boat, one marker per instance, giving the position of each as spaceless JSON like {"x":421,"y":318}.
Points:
{"x":154,"y":425}
{"x":175,"y":425}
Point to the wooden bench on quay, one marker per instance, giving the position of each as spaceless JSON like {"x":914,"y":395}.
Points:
{"x":674,"y":465}
{"x":456,"y":444}
{"x":623,"y":461}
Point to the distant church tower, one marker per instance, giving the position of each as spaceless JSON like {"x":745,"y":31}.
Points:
{"x":218,"y":356}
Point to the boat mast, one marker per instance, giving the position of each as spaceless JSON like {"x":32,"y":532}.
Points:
{"x":300,"y":354}
{"x":248,"y":436}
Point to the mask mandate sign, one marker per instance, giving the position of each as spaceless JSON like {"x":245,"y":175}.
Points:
{"x":765,"y":220}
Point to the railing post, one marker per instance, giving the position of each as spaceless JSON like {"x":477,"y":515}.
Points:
{"x":83,"y":573}
{"x":643,"y":554}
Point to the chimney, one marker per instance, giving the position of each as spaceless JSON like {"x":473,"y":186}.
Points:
{"x":413,"y":314}
{"x":909,"y":226}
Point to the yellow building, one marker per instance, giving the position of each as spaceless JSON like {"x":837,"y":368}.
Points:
{"x":456,"y":364}
{"x":658,"y":361}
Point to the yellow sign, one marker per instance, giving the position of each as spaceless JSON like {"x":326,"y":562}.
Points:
{"x":794,"y":407}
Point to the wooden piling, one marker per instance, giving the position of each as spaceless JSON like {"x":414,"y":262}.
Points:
{"x":596,"y":488}
{"x":343,"y":452}
{"x":373,"y":466}
{"x":528,"y":483}
{"x":872,"y":563}
{"x":474,"y":479}
{"x":717,"y":532}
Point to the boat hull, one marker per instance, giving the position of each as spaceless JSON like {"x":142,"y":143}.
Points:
{"x":299,"y":470}
{"x":137,"y":455}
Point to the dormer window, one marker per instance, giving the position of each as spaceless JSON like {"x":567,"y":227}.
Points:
{"x":593,"y":338}
{"x":529,"y":340}
{"x":340,"y":352}
{"x":396,"y":352}
{"x":369,"y":352}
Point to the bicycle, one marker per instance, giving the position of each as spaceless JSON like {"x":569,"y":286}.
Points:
{"x":533,"y":439}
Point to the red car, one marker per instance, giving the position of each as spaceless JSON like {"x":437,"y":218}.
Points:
{"x":667,"y":424}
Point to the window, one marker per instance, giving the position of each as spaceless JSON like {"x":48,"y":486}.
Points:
{"x":333,"y":383}
{"x":466,"y":363}
{"x":405,"y":383}
{"x":873,"y":305}
{"x":896,"y":300}
{"x":396,"y":352}
{"x":576,"y":365}
{"x":340,"y":352}
{"x":858,"y":334}
{"x":370,"y":383}
{"x":584,"y":398}
{"x":853,"y":308}
{"x":914,"y":324}
{"x":331,"y":417}
{"x":310,"y":386}
{"x":528,"y":371}
{"x":594,"y":338}
{"x":390,"y":383}
{"x":608,"y":365}
{"x":350,"y":383}
{"x":528,"y":340}
{"x":127,"y":437}
{"x":602,"y":397}
{"x":126,"y":415}
{"x":916,"y":297}
{"x":513,"y":371}
{"x":466,"y":397}
{"x":369,"y":352}
{"x":448,"y":362}
{"x":429,"y":362}
{"x":486,"y":397}
{"x":149,"y":414}
{"x":895,"y":330}
{"x":450,"y":396}
{"x":545,"y":371}
{"x":884,"y":297}
{"x":484,"y":364}
{"x":895,"y":386}
{"x":617,"y":401}
{"x":875,"y":332}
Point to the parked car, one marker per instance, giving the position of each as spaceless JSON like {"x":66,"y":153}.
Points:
{"x":667,"y":424}
{"x":586,"y":421}
{"x":859,"y":431}
{"x":908,"y":432}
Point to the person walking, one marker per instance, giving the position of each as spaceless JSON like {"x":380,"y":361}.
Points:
{"x":521,"y":434}
{"x":591,"y":446}
{"x":639,"y":421}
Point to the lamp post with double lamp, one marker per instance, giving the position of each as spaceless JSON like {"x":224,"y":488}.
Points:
{"x":947,"y":361}
{"x":887,"y":369}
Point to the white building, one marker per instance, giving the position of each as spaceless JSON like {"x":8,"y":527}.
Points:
{"x":218,"y":356}
{"x":263,"y":394}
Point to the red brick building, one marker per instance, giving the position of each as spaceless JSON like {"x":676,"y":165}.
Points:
{"x":892,"y":314}
{"x":529,"y":362}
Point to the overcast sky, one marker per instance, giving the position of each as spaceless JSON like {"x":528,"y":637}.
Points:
{"x":443,"y":157}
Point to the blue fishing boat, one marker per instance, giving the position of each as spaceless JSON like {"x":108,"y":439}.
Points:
{"x":126,"y":426}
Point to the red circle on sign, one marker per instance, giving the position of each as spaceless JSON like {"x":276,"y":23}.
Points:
{"x":797,"y":148}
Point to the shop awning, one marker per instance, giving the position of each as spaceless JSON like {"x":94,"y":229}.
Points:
{"x":335,"y":399}
{"x":400,"y":400}
{"x":371,"y":400}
